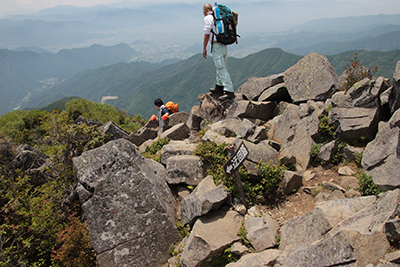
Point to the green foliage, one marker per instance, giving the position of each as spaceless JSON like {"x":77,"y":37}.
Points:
{"x":315,"y":149}
{"x":184,"y":230}
{"x":103,"y":113}
{"x":355,"y":72}
{"x":367,"y":185}
{"x":326,"y":130}
{"x":58,"y":105}
{"x":154,"y":150}
{"x":215,"y":156}
{"x":277,"y":240}
{"x":226,"y":258}
{"x":242,"y":233}
{"x":271,"y":178}
{"x":358,"y":159}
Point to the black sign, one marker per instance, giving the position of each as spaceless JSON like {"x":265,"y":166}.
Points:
{"x":234,"y":162}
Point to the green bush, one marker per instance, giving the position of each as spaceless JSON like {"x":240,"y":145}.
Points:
{"x":154,"y":150}
{"x":367,"y":185}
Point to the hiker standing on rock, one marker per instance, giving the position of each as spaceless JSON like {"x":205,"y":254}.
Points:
{"x":163,"y":112}
{"x":220,"y":55}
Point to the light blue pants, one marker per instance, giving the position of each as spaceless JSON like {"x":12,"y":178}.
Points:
{"x":220,"y":56}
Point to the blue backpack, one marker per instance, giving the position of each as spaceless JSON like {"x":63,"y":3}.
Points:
{"x":225,"y":21}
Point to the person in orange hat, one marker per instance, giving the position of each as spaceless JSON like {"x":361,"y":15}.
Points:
{"x":163,"y":112}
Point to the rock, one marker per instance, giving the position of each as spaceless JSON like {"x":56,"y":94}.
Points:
{"x":261,"y":232}
{"x":393,"y":257}
{"x":312,"y":78}
{"x":261,"y":259}
{"x":392,"y":229}
{"x":395,"y":100}
{"x":291,"y":182}
{"x":348,"y":182}
{"x":276,"y":93}
{"x":251,"y":109}
{"x":147,"y":132}
{"x":380,"y":158}
{"x":346,"y":171}
{"x":335,"y":195}
{"x":254,"y":86}
{"x":249,"y":131}
{"x":332,"y":186}
{"x":175,"y":148}
{"x":210,"y":109}
{"x":194,"y":121}
{"x":342,"y":209}
{"x":175,"y":119}
{"x":331,"y":251}
{"x":130,"y":211}
{"x":373,"y":217}
{"x":238,"y":249}
{"x":327,"y":151}
{"x":186,"y":169}
{"x":355,"y":123}
{"x":367,"y":247}
{"x":178,"y":132}
{"x":210,"y":236}
{"x":116,"y":132}
{"x":305,"y":230}
{"x":205,"y":198}
{"x":352,"y":193}
{"x":350,"y":153}
{"x":309,"y":175}
{"x":226,"y":127}
{"x":89,"y":122}
{"x":286,"y":125}
{"x":217,"y":138}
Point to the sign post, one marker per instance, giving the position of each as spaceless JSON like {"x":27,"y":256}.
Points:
{"x":232,"y":167}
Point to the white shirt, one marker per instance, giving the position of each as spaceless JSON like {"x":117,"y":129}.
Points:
{"x":208,"y":25}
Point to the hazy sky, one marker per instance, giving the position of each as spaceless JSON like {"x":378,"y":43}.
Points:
{"x":11,"y":6}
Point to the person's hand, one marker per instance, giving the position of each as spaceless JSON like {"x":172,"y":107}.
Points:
{"x":164,"y":117}
{"x":205,"y":53}
{"x":152,"y":118}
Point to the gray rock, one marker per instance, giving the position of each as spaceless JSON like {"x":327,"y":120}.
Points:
{"x":175,"y":148}
{"x":238,"y":249}
{"x":147,"y":132}
{"x":286,"y":125}
{"x":210,"y":236}
{"x":217,"y":138}
{"x":276,"y":93}
{"x":380,"y":158}
{"x":178,"y":132}
{"x":350,"y":153}
{"x":226,"y":127}
{"x":249,"y":131}
{"x":292,"y":181}
{"x":312,"y":78}
{"x":373,"y":217}
{"x":89,"y":122}
{"x":339,"y":210}
{"x":116,"y":132}
{"x":355,"y":123}
{"x":344,"y":170}
{"x":130,"y":214}
{"x":332,"y":186}
{"x":186,"y":169}
{"x":331,"y":251}
{"x":327,"y":151}
{"x":393,"y":257}
{"x":205,"y":198}
{"x":175,"y":119}
{"x":305,"y":230}
{"x":259,"y":153}
{"x":254,"y":86}
{"x":261,"y":232}
{"x":395,"y":101}
{"x":210,"y":109}
{"x":251,"y":109}
{"x":194,"y":121}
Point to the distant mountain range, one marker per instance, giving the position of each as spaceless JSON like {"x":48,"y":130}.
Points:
{"x":137,"y":84}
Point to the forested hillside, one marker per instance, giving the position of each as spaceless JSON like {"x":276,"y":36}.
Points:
{"x":136,"y":87}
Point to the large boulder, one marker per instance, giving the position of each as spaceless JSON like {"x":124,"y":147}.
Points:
{"x":210,"y":236}
{"x":188,"y":169}
{"x":261,"y":232}
{"x":177,"y":132}
{"x":147,"y":132}
{"x":174,"y":119}
{"x":381,"y":157}
{"x":128,"y":207}
{"x":312,"y":78}
{"x":251,"y":109}
{"x":210,"y":109}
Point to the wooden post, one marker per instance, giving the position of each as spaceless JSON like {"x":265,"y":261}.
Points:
{"x":240,"y":187}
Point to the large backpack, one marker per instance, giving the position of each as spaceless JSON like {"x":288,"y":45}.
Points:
{"x":172,"y":107}
{"x":225,"y":21}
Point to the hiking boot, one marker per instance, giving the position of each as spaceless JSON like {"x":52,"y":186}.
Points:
{"x":226,"y":96}
{"x":217,"y":89}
